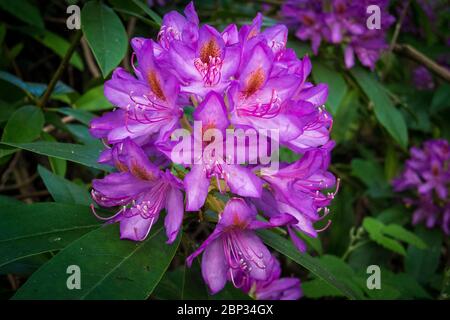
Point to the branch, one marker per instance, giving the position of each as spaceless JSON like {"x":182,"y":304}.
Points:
{"x":89,"y":59}
{"x":62,"y":66}
{"x":414,"y":54}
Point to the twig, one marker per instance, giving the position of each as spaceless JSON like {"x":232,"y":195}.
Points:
{"x":398,"y":26}
{"x":412,"y":53}
{"x":89,"y":58}
{"x":51,"y":127}
{"x":33,"y":194}
{"x":62,"y":66}
{"x":10,"y":168}
{"x":20,"y":185}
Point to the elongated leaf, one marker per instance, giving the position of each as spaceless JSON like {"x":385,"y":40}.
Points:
{"x":34,"y":89}
{"x":105,"y":35}
{"x":337,"y":87}
{"x":286,"y":248}
{"x":152,"y":14}
{"x":23,"y":10}
{"x":85,"y":155}
{"x":59,"y":166}
{"x":110,"y":268}
{"x":31,"y":229}
{"x":400,"y":233}
{"x":386,"y":113}
{"x":81,"y":115}
{"x":63,"y":190}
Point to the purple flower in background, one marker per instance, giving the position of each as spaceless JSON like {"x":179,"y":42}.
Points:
{"x":142,"y":191}
{"x":427,"y":176}
{"x":340,"y":22}
{"x":422,"y":78}
{"x":233,"y":251}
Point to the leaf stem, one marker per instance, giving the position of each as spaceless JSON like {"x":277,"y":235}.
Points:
{"x":62,"y":66}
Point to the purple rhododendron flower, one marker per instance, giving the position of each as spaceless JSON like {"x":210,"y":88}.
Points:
{"x":142,"y":191}
{"x":340,"y":22}
{"x":233,"y":251}
{"x":427,"y":173}
{"x":236,"y":79}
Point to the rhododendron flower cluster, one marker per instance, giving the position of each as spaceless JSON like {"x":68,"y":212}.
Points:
{"x":427,"y":175}
{"x":238,"y":78}
{"x":343,"y":23}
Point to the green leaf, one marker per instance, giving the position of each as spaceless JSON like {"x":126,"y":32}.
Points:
{"x":82,"y":134}
{"x":85,"y":155}
{"x":24,"y":125}
{"x":398,"y":232}
{"x":337,"y":87}
{"x":286,"y":248}
{"x":193,"y":287}
{"x":63,"y":190}
{"x":110,"y":268}
{"x":59,"y":166}
{"x":34,"y":89}
{"x":386,"y":113}
{"x":169,"y":288}
{"x":93,"y":100}
{"x":372,"y":175}
{"x":152,"y":14}
{"x":345,"y":119}
{"x":105,"y":35}
{"x":441,"y":98}
{"x":423,"y":263}
{"x":6,"y":201}
{"x":183,"y":283}
{"x":27,"y":230}
{"x":23,"y":10}
{"x":317,"y":288}
{"x":375,"y":230}
{"x":84,"y":117}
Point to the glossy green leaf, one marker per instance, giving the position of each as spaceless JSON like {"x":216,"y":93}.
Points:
{"x":93,"y":100}
{"x":85,"y":155}
{"x":152,"y":14}
{"x":386,"y":113}
{"x":59,"y":166}
{"x":63,"y":190}
{"x":111,"y":268}
{"x":105,"y":35}
{"x":84,"y":117}
{"x":25,"y":125}
{"x":337,"y":87}
{"x":27,"y":230}
{"x":286,"y":248}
